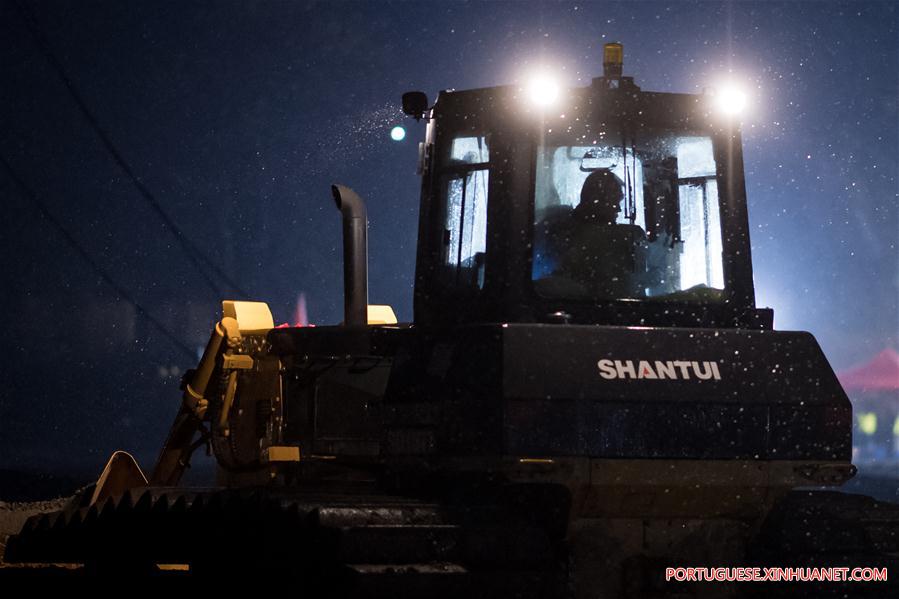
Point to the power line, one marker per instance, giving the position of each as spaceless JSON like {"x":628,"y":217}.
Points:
{"x":101,"y":272}
{"x":194,"y":253}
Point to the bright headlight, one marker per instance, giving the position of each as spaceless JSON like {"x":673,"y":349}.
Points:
{"x":730,"y":100}
{"x":543,"y":90}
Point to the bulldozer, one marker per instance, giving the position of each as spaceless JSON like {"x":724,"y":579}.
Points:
{"x":586,"y":396}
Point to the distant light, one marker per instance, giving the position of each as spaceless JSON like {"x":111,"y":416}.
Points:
{"x":867,"y":422}
{"x":730,"y":100}
{"x":543,"y":90}
{"x":397,"y":133}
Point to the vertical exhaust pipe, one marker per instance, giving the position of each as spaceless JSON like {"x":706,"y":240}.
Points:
{"x":355,"y":255}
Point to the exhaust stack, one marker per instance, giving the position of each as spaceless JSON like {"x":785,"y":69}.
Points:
{"x":355,"y":255}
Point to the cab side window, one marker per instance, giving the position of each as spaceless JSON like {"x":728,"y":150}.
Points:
{"x":701,"y":261}
{"x":464,"y":185}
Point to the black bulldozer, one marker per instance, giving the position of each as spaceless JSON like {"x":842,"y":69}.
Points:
{"x":587,"y":395}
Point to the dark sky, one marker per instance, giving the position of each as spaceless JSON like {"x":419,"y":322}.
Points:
{"x":237,"y":116}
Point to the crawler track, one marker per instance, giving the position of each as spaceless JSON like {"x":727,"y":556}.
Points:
{"x":338,"y":544}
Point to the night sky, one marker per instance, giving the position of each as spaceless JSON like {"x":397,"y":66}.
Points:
{"x":237,"y":116}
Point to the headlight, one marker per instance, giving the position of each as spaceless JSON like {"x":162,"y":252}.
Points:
{"x":543,"y":90}
{"x":729,"y":99}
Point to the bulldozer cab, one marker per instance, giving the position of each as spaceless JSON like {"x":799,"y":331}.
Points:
{"x":513,"y":230}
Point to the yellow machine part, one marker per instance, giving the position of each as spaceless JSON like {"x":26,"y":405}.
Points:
{"x":120,"y":474}
{"x":381,"y":315}
{"x":282,"y":453}
{"x":250,"y":316}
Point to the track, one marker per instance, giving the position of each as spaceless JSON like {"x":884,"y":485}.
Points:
{"x":376,"y":545}
{"x":337,"y":544}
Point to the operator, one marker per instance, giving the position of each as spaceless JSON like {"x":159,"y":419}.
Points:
{"x":603,"y":257}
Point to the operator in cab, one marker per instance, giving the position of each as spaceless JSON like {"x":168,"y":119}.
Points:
{"x":598,"y":257}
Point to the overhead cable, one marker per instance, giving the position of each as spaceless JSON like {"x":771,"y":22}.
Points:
{"x":85,"y":255}
{"x":193,"y":252}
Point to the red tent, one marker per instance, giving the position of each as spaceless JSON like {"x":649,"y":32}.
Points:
{"x":880,"y":374}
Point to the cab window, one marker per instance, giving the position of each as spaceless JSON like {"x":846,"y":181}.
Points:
{"x":625,"y":217}
{"x":464,"y":183}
